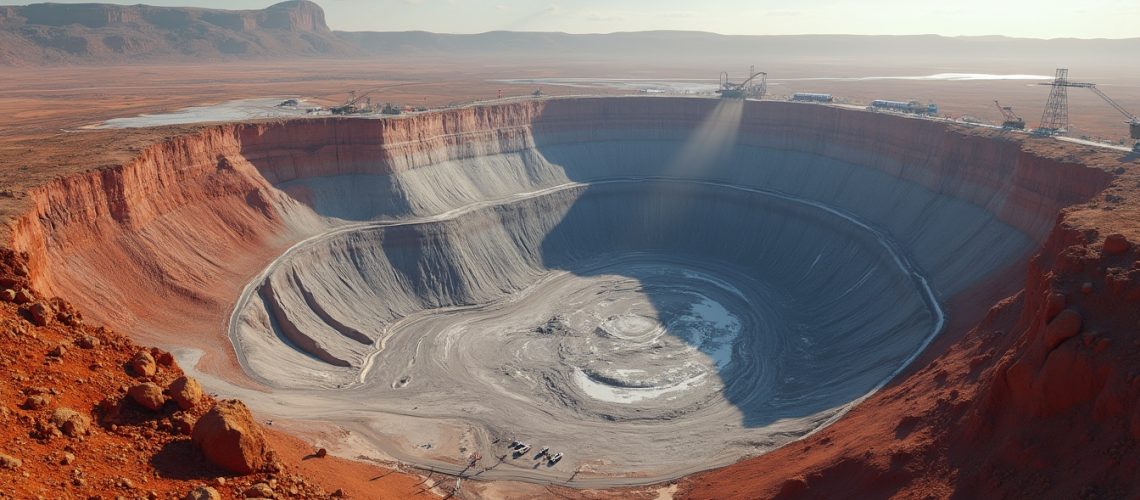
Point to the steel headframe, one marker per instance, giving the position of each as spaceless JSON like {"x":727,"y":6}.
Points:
{"x":1056,"y":115}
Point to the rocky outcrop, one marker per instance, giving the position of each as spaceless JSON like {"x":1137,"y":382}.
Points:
{"x":1116,"y":244}
{"x":1076,"y":362}
{"x":228,"y":436}
{"x":9,"y":462}
{"x":70,"y":422}
{"x":185,"y":391}
{"x":142,"y":364}
{"x":203,"y":493}
{"x":47,"y":32}
{"x":293,"y":15}
{"x":147,"y":206}
{"x":147,"y":395}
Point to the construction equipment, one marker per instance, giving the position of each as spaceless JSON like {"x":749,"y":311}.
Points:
{"x":353,"y":106}
{"x":1055,"y":119}
{"x":746,"y":89}
{"x":1011,"y":120}
{"x":1133,"y":122}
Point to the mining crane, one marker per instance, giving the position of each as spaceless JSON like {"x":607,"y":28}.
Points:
{"x":745,"y":89}
{"x":1011,"y":120}
{"x":352,"y":105}
{"x":1056,"y":116}
{"x":1133,"y":121}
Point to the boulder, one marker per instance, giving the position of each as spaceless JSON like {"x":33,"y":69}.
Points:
{"x":203,"y":493}
{"x":37,"y":312}
{"x":147,"y":395}
{"x":1116,"y":244}
{"x":58,"y":352}
{"x":87,"y":342}
{"x":162,"y":357}
{"x":1054,"y":304}
{"x":185,"y":391}
{"x":71,"y":422}
{"x":1066,"y":325}
{"x":9,"y":462}
{"x":182,"y":424}
{"x":37,"y":402}
{"x":228,"y":436}
{"x":23,"y":297}
{"x":259,"y":490}
{"x":142,"y":364}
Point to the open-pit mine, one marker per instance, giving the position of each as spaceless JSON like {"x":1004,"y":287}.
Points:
{"x":652,"y":286}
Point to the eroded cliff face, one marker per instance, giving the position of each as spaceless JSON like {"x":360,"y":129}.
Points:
{"x":162,"y":240}
{"x":193,"y":216}
{"x":52,"y":33}
{"x":295,"y":15}
{"x":1023,"y":189}
{"x":1064,"y":393}
{"x":162,"y":245}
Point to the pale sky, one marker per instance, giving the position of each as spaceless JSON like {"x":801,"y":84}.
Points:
{"x":1018,"y":18}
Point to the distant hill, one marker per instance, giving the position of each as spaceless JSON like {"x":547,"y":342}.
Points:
{"x":79,"y":33}
{"x":49,"y":33}
{"x":919,"y":50}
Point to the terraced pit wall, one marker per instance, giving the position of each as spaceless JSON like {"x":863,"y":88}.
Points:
{"x":163,"y":247}
{"x":191,"y":217}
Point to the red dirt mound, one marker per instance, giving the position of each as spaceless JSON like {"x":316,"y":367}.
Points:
{"x":67,"y":421}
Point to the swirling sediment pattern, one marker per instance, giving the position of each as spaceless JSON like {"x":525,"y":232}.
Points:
{"x":647,"y":319}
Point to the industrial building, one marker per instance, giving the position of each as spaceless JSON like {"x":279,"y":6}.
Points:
{"x":811,"y":97}
{"x":905,"y":106}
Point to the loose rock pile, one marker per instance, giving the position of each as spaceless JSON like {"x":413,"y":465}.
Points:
{"x":86,"y":413}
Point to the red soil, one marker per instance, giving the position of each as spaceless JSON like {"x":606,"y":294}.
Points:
{"x":126,"y":450}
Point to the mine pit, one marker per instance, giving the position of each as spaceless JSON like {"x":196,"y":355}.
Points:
{"x":651,"y":286}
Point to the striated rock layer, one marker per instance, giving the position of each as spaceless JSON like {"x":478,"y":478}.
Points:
{"x":493,"y":200}
{"x":47,"y":33}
